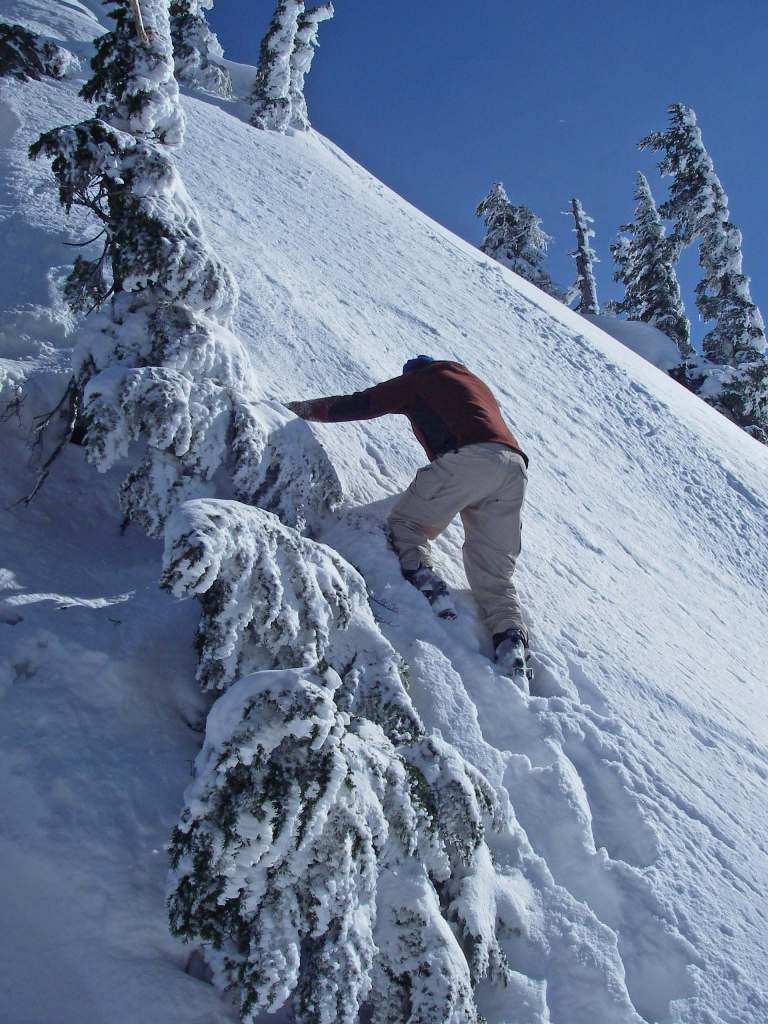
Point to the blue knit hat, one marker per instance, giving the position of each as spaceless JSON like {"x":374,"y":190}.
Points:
{"x":416,"y":363}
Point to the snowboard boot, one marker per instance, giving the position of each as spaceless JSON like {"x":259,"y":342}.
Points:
{"x":433,"y":588}
{"x":511,"y":649}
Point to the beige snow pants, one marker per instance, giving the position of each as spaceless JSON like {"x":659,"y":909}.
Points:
{"x":486,"y":484}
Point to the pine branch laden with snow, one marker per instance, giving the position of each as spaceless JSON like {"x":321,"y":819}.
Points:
{"x":297,"y":815}
{"x":274,"y":599}
{"x":271,"y":93}
{"x":514,"y":237}
{"x":24,"y":55}
{"x":645,"y":266}
{"x":133,"y":81}
{"x":278,"y":465}
{"x":303,"y":53}
{"x":196,"y":49}
{"x":193,"y":430}
{"x":585,"y":258}
{"x":155,"y":252}
{"x":737,"y":384}
{"x":184,"y":426}
{"x":274,"y":859}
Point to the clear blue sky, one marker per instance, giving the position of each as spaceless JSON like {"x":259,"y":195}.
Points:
{"x":440,"y":99}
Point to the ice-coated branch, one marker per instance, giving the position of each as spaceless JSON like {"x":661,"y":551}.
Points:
{"x":303,"y":53}
{"x":58,"y":422}
{"x":271,"y":93}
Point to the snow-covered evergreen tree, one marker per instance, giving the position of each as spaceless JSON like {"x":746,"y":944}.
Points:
{"x":327,"y":841}
{"x":160,"y":364}
{"x":585,"y":286}
{"x":645,"y":266}
{"x":134,"y":80}
{"x":514,"y":237}
{"x":297,"y":817}
{"x":271,"y":94}
{"x":737,"y":384}
{"x":301,"y":60}
{"x":196,"y":50}
{"x":25,"y":55}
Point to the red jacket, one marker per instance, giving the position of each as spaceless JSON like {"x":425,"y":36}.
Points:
{"x":447,"y":406}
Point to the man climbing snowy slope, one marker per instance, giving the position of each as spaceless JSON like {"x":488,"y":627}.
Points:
{"x":477,"y":469}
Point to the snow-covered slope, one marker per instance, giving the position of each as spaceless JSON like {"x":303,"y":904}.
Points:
{"x":636,"y":773}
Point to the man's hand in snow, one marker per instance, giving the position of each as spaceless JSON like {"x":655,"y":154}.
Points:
{"x":309,"y":410}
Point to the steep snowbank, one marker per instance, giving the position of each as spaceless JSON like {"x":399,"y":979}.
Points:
{"x":635,"y":777}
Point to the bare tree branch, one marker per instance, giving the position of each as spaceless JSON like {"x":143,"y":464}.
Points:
{"x":141,"y":32}
{"x":68,"y":405}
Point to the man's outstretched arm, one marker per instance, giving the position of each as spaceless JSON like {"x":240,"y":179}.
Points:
{"x":312,"y":409}
{"x":391,"y":396}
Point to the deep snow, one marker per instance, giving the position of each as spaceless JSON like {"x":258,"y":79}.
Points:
{"x":637,"y":770}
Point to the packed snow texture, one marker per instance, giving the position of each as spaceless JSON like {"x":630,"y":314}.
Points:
{"x":632,"y":782}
